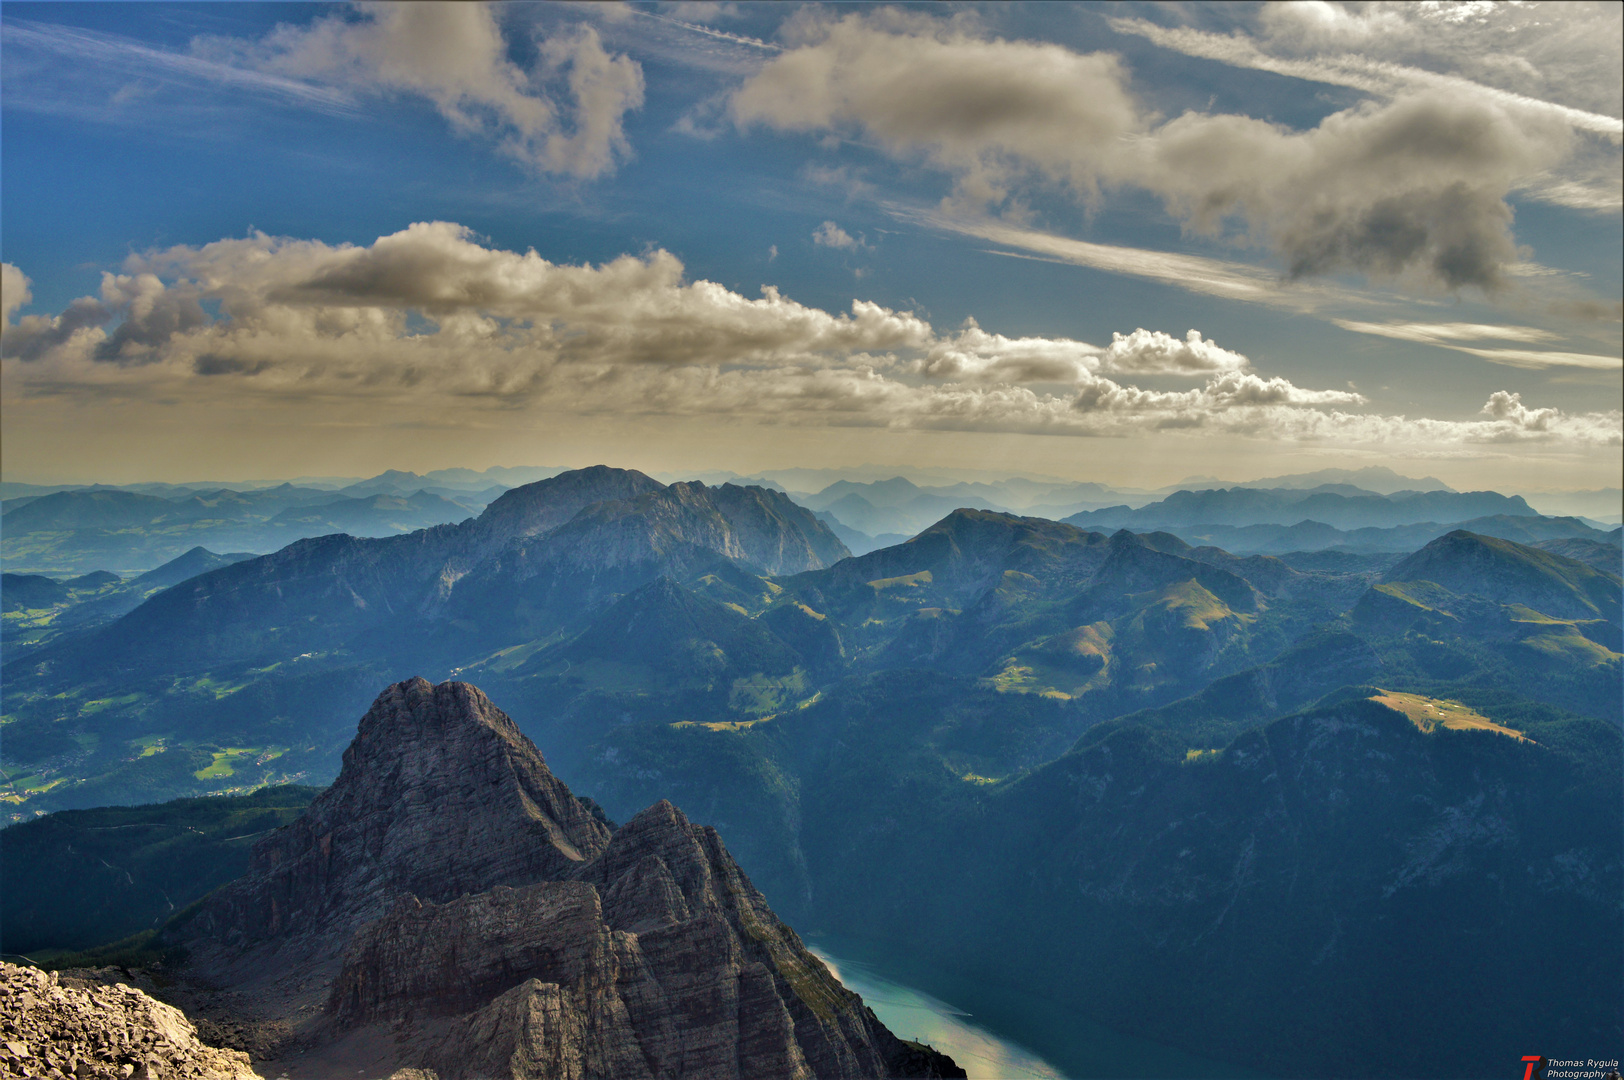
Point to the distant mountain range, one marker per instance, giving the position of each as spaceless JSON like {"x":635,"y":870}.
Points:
{"x":128,"y":530}
{"x":1374,"y":478}
{"x":1296,"y":516}
{"x":65,"y":530}
{"x":39,"y":609}
{"x":1339,"y":507}
{"x":1246,"y":788}
{"x":1283,"y":520}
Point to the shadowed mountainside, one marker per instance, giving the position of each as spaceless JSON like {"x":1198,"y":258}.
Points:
{"x":449,"y":891}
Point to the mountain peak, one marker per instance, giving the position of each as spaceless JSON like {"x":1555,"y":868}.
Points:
{"x":546,"y":504}
{"x":1505,"y":572}
{"x":439,"y":794}
{"x":1124,"y":539}
{"x":447,"y":875}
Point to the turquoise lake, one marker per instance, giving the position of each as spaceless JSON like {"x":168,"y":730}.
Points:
{"x":1006,"y":1035}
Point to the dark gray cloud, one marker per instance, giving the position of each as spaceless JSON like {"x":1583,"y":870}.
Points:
{"x":1459,"y":236}
{"x":36,"y":335}
{"x":1413,"y":188}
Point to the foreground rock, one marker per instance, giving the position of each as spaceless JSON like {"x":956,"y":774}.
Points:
{"x":52,"y":1028}
{"x":449,"y":906}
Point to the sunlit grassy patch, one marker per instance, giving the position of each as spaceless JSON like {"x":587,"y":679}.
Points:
{"x":1422,"y":594}
{"x":907,"y":581}
{"x":219,"y":688}
{"x":1428,"y":713}
{"x":1014,"y":678}
{"x":226,"y":761}
{"x":1062,"y":666}
{"x":722,"y":725}
{"x":766,"y":693}
{"x":21,"y":787}
{"x":511,"y":657}
{"x":1570,"y":645}
{"x":102,"y":704}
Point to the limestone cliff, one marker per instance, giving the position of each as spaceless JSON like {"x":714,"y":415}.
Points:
{"x":450,"y":892}
{"x":439,"y":795}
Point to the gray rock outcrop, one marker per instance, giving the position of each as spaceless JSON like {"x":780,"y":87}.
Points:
{"x":51,"y":1028}
{"x":440,"y":795}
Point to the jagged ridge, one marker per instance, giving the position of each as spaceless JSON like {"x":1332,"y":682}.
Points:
{"x":480,"y":904}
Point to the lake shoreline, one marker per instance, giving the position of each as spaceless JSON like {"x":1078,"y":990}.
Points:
{"x":1033,"y":1036}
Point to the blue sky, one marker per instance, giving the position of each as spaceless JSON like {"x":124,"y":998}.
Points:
{"x":1117,"y":242}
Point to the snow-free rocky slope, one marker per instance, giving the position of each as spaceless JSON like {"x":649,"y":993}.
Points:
{"x":66,"y":1027}
{"x":449,"y":905}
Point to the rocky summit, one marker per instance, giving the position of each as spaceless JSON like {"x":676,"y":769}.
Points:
{"x":439,"y":795}
{"x":449,"y":909}
{"x":62,"y":1027}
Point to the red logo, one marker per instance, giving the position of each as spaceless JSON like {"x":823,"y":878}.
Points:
{"x":1536,"y":1067}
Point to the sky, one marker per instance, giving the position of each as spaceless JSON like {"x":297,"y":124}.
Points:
{"x":1115,"y":242}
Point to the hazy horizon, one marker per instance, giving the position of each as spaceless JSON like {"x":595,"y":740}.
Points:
{"x":866,"y":472}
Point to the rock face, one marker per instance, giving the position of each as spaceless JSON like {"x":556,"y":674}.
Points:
{"x":457,"y":895}
{"x":53,"y":1028}
{"x":439,"y":795}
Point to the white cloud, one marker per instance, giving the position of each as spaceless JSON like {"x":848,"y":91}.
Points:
{"x":1444,"y":335}
{"x":454,"y":55}
{"x":15,"y":291}
{"x":1148,"y":352}
{"x":431,"y":315}
{"x":973,"y":354}
{"x":1414,"y":188}
{"x":1354,"y":70}
{"x":103,"y":54}
{"x":1436,"y":333}
{"x":831,"y":235}
{"x":1539,"y":358}
{"x":35,"y":336}
{"x":976,"y":356}
{"x":701,"y":10}
{"x":921,"y":87}
{"x":1196,"y":273}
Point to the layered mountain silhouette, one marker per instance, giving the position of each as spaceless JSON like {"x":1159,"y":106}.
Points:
{"x":1335,"y":516}
{"x":70,"y":531}
{"x":1505,"y":572}
{"x":1349,"y":508}
{"x":198,"y":560}
{"x":452,"y":896}
{"x":538,"y":556}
